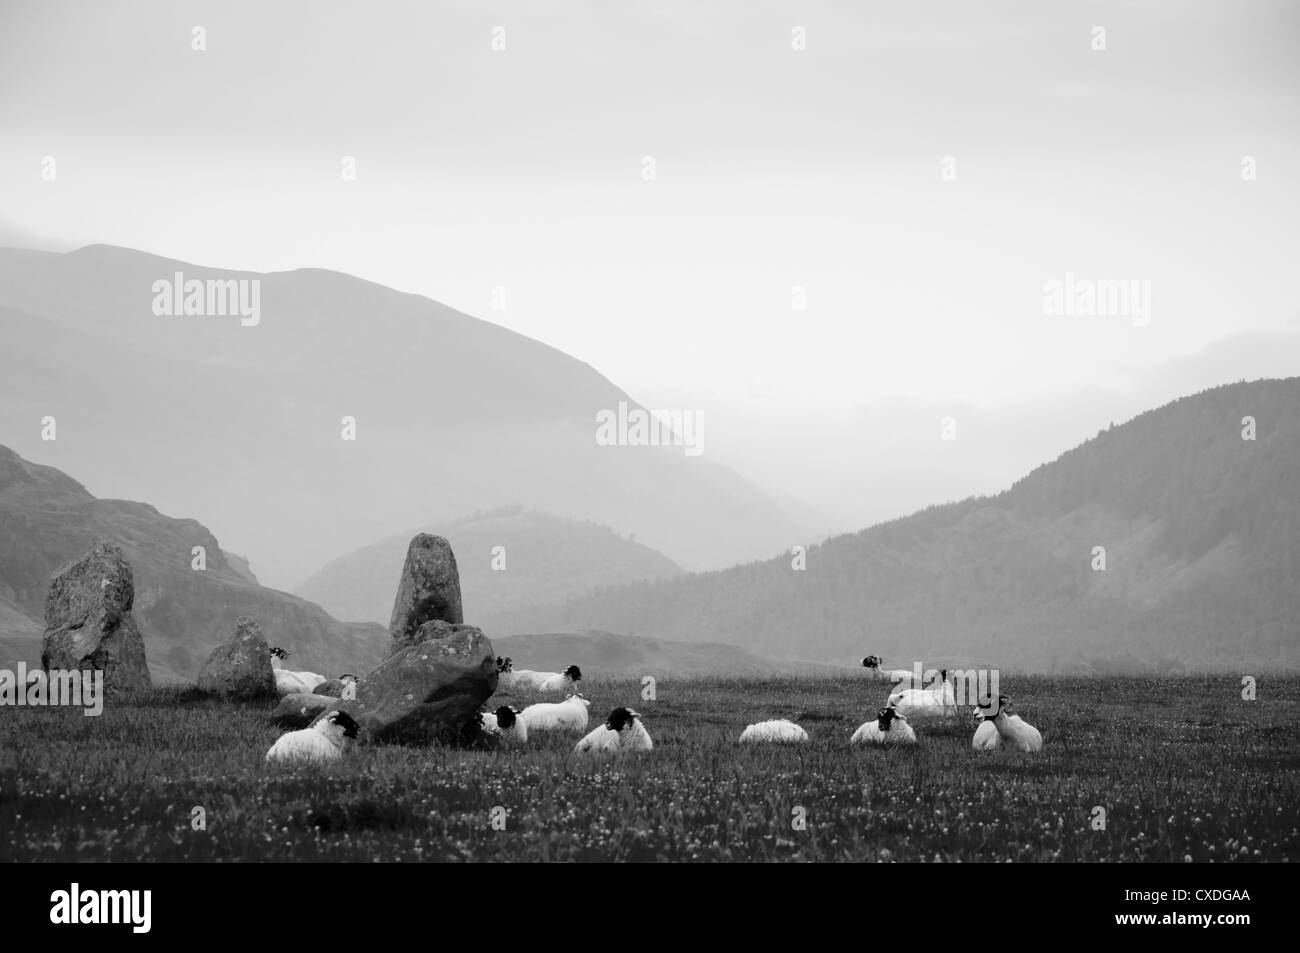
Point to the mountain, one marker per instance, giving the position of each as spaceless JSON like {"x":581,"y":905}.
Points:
{"x":542,"y":560}
{"x":1201,"y":530}
{"x":243,"y":426}
{"x":605,"y":654}
{"x":47,"y":519}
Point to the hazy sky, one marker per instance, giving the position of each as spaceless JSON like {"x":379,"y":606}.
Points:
{"x":776,"y":168}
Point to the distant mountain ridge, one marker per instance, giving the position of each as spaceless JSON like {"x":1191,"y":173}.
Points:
{"x":1201,"y":531}
{"x":242,"y":426}
{"x":508,"y":558}
{"x":48,"y":519}
{"x":606,"y":654}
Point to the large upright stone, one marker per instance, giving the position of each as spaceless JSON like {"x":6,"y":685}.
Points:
{"x":88,"y":622}
{"x":429,"y":590}
{"x":428,"y":690}
{"x":240,"y":667}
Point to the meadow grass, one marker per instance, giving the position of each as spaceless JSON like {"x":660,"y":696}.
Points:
{"x":1183,"y":768}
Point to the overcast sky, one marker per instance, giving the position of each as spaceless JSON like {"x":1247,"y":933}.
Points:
{"x":776,"y":168}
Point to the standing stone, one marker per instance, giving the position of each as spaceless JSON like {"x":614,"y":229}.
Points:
{"x":241,"y":666}
{"x":428,"y":690}
{"x":429,"y":590}
{"x":88,"y":622}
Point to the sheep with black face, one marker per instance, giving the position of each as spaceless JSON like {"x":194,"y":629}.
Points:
{"x":622,"y":733}
{"x":288,"y":682}
{"x":888,"y":728}
{"x":900,"y":677}
{"x":568,"y":715}
{"x":505,"y":721}
{"x":1015,"y":731}
{"x":326,"y":740}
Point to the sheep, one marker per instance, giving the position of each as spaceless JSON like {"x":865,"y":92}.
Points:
{"x":505,"y":721}
{"x":326,"y":740}
{"x":779,"y":730}
{"x":338,"y":687}
{"x":898,"y":676}
{"x":545,"y":681}
{"x":622,"y":733}
{"x":1014,"y":730}
{"x":510,"y":679}
{"x":930,"y":702}
{"x":289,"y":683}
{"x":889,"y":728}
{"x":562,"y":681}
{"x":505,"y":674}
{"x":986,"y":736}
{"x":568,"y":715}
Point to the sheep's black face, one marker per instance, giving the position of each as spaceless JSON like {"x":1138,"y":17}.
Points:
{"x":503,"y":665}
{"x":279,"y":653}
{"x":573,"y":672}
{"x":991,"y":711}
{"x":871,"y":661}
{"x":345,"y":721}
{"x":884,"y":718}
{"x":620,"y":718}
{"x":505,"y":717}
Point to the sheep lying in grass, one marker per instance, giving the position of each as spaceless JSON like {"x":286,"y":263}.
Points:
{"x":289,"y":683}
{"x":1015,"y":731}
{"x":986,"y":736}
{"x":899,"y":677}
{"x":622,"y":733}
{"x":505,"y":721}
{"x":889,"y":728}
{"x":568,"y":715}
{"x":778,"y":730}
{"x":324,"y":741}
{"x":561,"y":681}
{"x":512,"y":679}
{"x":940,"y":699}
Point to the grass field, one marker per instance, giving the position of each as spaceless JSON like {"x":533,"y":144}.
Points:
{"x":1182,"y":767}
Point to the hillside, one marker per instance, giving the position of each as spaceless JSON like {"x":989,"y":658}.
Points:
{"x":545,"y":560}
{"x":605,"y":655}
{"x":241,"y":426}
{"x":1202,"y":537}
{"x":47,"y":519}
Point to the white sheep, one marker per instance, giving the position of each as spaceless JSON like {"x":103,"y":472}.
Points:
{"x":779,"y":730}
{"x":1015,"y":731}
{"x":986,"y":736}
{"x":561,"y":681}
{"x":326,"y":740}
{"x":622,"y":733}
{"x":511,"y":679}
{"x":288,"y":682}
{"x":939,"y":699}
{"x":899,"y":677}
{"x":505,"y":721}
{"x":568,"y":715}
{"x":888,"y":728}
